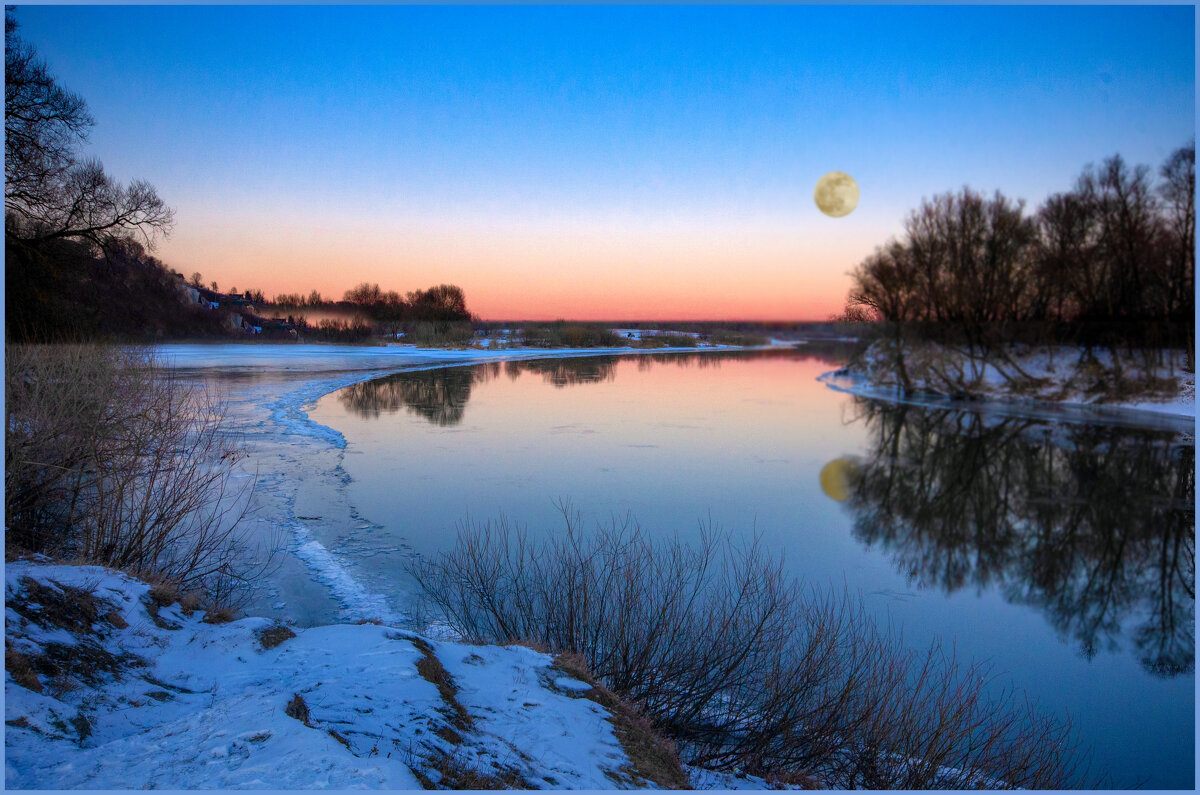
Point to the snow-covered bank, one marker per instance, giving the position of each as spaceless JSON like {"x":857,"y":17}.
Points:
{"x":106,"y":687}
{"x":1055,"y":385}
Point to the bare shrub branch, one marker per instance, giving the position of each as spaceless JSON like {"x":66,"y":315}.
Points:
{"x":113,"y":460}
{"x":744,"y":668}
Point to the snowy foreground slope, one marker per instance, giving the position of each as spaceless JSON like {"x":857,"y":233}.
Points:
{"x":106,"y":688}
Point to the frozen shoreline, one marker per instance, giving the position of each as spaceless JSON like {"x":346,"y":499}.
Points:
{"x":1055,"y":389}
{"x":1169,"y":417}
{"x":301,"y":489}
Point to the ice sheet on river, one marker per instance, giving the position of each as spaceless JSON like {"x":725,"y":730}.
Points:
{"x":300,"y":491}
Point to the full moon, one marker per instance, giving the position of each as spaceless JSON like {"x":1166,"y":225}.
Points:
{"x":836,"y":194}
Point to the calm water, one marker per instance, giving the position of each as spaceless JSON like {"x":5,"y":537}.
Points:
{"x":1061,"y":553}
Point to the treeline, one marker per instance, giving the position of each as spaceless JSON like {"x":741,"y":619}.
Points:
{"x":443,"y":303}
{"x":434,"y":316}
{"x":1109,"y":263}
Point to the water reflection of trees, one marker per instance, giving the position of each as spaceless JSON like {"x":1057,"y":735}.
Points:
{"x":441,"y":395}
{"x":566,"y":372}
{"x":1094,"y":525}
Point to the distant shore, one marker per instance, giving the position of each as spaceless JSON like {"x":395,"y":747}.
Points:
{"x":1058,"y":387}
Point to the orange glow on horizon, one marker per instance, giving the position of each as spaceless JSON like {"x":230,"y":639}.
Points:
{"x":757,"y":270}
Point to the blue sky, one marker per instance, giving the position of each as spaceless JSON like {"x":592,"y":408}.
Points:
{"x":624,"y":148}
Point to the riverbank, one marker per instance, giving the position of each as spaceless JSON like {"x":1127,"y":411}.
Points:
{"x":1048,"y":382}
{"x":112,"y":685}
{"x":780,"y":418}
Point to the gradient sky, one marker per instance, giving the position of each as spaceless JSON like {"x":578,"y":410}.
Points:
{"x":610,"y":162}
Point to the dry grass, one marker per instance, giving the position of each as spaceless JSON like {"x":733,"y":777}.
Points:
{"x":297,"y":708}
{"x":442,"y":334}
{"x":452,"y":771}
{"x":275,"y":635}
{"x":21,"y":670}
{"x":63,"y":667}
{"x":726,"y":337}
{"x":167,"y":594}
{"x":431,"y":670}
{"x":664,"y":341}
{"x":85,"y":662}
{"x":58,"y":606}
{"x":571,"y":335}
{"x":219,"y":615}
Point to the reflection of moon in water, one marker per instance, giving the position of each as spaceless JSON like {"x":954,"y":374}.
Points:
{"x":836,"y":194}
{"x":837,"y":478}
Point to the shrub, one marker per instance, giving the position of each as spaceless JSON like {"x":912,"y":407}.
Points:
{"x":572,"y":335}
{"x":742,"y":667}
{"x":355,"y":329}
{"x":429,"y":335}
{"x":666,"y":341}
{"x":110,"y":459}
{"x":726,"y":337}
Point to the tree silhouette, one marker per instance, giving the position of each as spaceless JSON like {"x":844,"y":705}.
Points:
{"x":50,"y":190}
{"x":364,"y":294}
{"x":1110,"y":262}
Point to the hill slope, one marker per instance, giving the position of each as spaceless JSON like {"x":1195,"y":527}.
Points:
{"x":108,"y":687}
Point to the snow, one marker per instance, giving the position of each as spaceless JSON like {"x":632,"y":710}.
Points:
{"x":205,"y":705}
{"x":702,"y":779}
{"x":566,"y":683}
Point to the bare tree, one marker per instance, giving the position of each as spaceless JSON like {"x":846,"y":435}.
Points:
{"x":443,"y":302}
{"x":1128,"y":228}
{"x":1109,"y":263}
{"x":1178,"y":192}
{"x":972,"y":255}
{"x":364,"y":294}
{"x":50,"y":191}
{"x":887,"y":284}
{"x":43,"y":123}
{"x":1067,"y":271}
{"x":90,"y":205}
